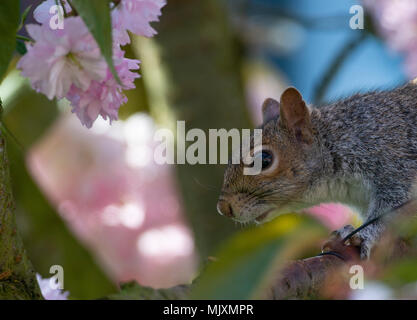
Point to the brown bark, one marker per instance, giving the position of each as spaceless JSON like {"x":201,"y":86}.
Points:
{"x":17,"y":276}
{"x":303,"y":279}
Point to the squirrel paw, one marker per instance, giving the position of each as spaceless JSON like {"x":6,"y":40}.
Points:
{"x":364,"y":241}
{"x":360,"y":240}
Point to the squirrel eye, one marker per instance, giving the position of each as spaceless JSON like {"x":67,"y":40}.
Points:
{"x":266,"y":158}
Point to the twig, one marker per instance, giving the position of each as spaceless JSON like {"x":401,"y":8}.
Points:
{"x":23,"y":38}
{"x":335,"y":66}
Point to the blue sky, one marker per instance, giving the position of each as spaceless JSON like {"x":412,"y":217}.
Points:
{"x":371,"y":66}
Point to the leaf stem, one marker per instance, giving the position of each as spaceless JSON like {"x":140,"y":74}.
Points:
{"x":23,"y":38}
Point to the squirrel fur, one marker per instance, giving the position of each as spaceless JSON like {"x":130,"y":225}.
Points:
{"x":360,"y":151}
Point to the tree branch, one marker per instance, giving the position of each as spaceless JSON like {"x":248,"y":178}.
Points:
{"x":304,"y":279}
{"x":335,"y":66}
{"x":307,"y":278}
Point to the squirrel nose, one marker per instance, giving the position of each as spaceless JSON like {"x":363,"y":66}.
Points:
{"x":225,"y":209}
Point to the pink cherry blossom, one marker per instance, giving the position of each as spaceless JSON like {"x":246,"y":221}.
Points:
{"x":332,"y":215}
{"x":104,"y":98}
{"x":59,"y":59}
{"x":136,"y":15}
{"x":42,"y":12}
{"x":120,"y":35}
{"x":397,"y":21}
{"x":68,"y":63}
{"x":116,"y":199}
{"x":49,"y":292}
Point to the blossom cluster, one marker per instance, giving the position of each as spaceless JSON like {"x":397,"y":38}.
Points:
{"x":397,"y":22}
{"x":122,"y":205}
{"x":67,"y":62}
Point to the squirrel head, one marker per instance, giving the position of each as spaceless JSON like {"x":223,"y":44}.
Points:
{"x":290,"y":154}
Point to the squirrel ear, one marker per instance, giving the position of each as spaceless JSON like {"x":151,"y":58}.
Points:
{"x":270,"y":109}
{"x":295,"y":116}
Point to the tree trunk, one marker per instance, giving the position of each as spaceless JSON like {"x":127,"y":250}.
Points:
{"x":192,"y":73}
{"x":17,"y":276}
{"x":46,"y":237}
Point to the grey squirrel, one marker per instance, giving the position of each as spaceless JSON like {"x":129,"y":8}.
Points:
{"x":361,"y":151}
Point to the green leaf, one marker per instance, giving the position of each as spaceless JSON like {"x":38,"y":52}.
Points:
{"x":9,"y":22}
{"x":134,"y":291}
{"x":20,"y":47}
{"x":247,"y":262}
{"x":400,"y":273}
{"x":96,"y":15}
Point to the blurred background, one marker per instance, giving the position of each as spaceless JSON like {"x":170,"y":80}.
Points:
{"x":95,"y":202}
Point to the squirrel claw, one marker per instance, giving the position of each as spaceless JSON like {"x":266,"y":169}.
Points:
{"x":337,"y":236}
{"x":357,"y":240}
